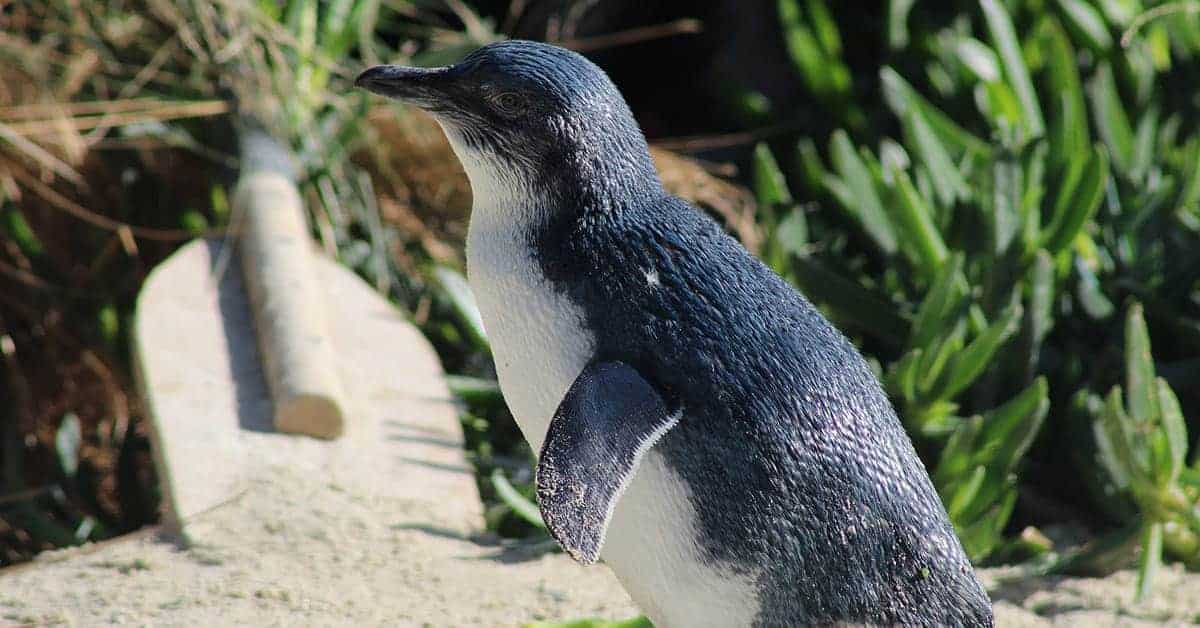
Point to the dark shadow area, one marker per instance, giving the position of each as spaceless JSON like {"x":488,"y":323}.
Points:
{"x":401,"y":432}
{"x":452,"y":468}
{"x":246,"y":374}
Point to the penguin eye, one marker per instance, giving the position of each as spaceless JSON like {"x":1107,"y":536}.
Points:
{"x":509,"y":103}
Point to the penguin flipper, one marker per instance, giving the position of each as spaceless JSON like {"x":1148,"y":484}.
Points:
{"x":604,"y":425}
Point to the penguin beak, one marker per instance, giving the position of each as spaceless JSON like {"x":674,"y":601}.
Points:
{"x":423,"y":87}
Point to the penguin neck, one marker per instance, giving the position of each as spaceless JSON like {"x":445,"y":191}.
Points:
{"x":603,"y":171}
{"x":509,"y":200}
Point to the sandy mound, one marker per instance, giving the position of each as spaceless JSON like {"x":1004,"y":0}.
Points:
{"x":292,"y":552}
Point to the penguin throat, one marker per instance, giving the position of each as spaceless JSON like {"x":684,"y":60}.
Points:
{"x":517,"y":195}
{"x":504,"y":196}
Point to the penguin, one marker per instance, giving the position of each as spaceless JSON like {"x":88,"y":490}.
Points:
{"x":700,"y":426}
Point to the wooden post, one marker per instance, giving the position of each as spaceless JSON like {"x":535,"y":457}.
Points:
{"x":286,"y":305}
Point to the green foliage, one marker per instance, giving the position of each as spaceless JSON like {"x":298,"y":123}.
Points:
{"x":1142,"y":445}
{"x":1028,"y":172}
{"x":814,"y":46}
{"x":520,"y":504}
{"x":462,"y":303}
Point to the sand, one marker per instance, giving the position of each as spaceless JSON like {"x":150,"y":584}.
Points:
{"x":290,"y":552}
{"x":287,"y":552}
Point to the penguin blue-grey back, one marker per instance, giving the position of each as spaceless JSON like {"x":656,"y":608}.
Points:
{"x":700,"y":425}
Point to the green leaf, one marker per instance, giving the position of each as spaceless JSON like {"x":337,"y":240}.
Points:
{"x":825,"y":28}
{"x":901,"y":96}
{"x":67,"y":441}
{"x":812,"y":170}
{"x":1111,"y":120}
{"x":982,"y":533}
{"x":1069,"y":128}
{"x":897,"y":22}
{"x":1150,"y":559}
{"x":1173,"y":426}
{"x":1082,"y":189}
{"x":462,"y":300}
{"x":932,"y":420}
{"x":1004,"y":40}
{"x":474,"y":389}
{"x":1120,"y":12}
{"x":1089,"y":293}
{"x":804,"y":49}
{"x":1009,"y":430}
{"x":860,"y":196}
{"x":1004,"y":217}
{"x":108,"y":323}
{"x":969,"y":364}
{"x":269,"y":8}
{"x":914,"y":220}
{"x":902,"y":378}
{"x":1189,"y":195}
{"x":978,"y":59}
{"x":1160,"y":458}
{"x":1143,"y":145}
{"x":1112,"y":450}
{"x":947,"y":181}
{"x":770,"y":187}
{"x":1158,"y":43}
{"x":20,"y":231}
{"x":337,"y":31}
{"x":999,"y":103}
{"x":945,"y":297}
{"x":1085,"y":21}
{"x":520,"y":505}
{"x":1138,"y":73}
{"x":295,"y":14}
{"x":965,"y":493}
{"x":1039,"y":311}
{"x":791,"y":236}
{"x":1032,"y":175}
{"x":958,"y":456}
{"x":936,"y":358}
{"x":1128,"y":447}
{"x":1139,"y":368}
{"x":1041,"y":295}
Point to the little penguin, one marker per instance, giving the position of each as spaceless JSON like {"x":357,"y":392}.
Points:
{"x":700,"y":426}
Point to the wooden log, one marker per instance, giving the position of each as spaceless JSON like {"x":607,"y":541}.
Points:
{"x":286,"y":305}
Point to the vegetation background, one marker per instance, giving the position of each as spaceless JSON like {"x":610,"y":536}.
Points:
{"x":998,"y":200}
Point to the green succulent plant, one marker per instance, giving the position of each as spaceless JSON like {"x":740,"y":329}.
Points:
{"x":1142,"y":445}
{"x":1029,"y":170}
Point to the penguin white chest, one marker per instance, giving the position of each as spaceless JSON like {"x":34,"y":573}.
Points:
{"x":538,"y":337}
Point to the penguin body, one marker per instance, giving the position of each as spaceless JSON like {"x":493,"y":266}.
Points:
{"x":542,"y":340}
{"x":701,"y":427}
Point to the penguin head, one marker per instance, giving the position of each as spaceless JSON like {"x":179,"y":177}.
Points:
{"x":529,"y":115}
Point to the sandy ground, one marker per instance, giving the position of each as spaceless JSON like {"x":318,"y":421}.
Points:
{"x":291,"y":552}
{"x":1061,"y":601}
